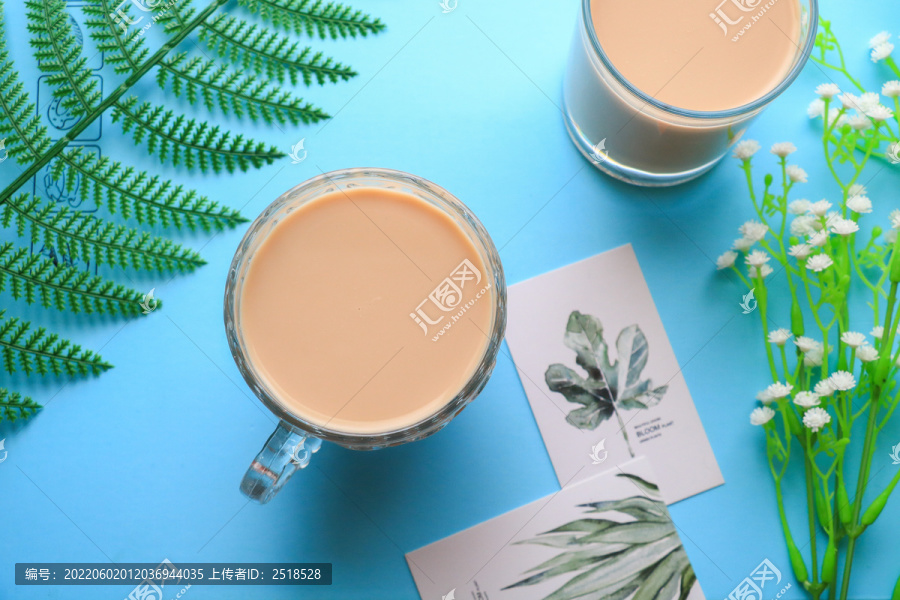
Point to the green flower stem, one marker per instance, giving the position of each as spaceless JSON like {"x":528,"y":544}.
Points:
{"x":110,"y":100}
{"x":811,"y":512}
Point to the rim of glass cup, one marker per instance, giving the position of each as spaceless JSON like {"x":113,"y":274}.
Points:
{"x":341,"y":179}
{"x":808,"y":26}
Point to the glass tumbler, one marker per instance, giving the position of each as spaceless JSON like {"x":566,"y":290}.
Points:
{"x":290,"y":447}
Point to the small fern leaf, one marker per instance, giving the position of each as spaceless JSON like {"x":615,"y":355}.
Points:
{"x":37,"y":279}
{"x":59,"y":55}
{"x":88,"y":238}
{"x":14,"y":406}
{"x":314,"y":17}
{"x":135,"y":193}
{"x":180,"y":140}
{"x":270,"y":54}
{"x":123,"y":46}
{"x":36,"y":351}
{"x":230,"y":91}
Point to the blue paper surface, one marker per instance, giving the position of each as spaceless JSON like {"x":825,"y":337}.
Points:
{"x":143,"y":463}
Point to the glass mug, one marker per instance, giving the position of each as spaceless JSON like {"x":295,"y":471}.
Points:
{"x":653,"y":143}
{"x":290,"y":447}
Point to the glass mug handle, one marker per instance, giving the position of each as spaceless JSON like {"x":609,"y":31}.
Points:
{"x":287,"y":450}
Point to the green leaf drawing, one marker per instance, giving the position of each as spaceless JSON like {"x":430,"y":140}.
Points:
{"x":609,"y":388}
{"x":638,"y":559}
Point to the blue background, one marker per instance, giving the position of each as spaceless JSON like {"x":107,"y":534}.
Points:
{"x":143,"y":463}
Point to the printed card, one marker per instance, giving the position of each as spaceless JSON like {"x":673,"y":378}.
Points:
{"x":601,"y":376}
{"x":608,"y":536}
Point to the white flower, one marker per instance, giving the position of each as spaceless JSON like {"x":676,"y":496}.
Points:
{"x":782,"y":149}
{"x":800,"y":251}
{"x":816,"y":418}
{"x":757,"y":258}
{"x":796,"y":174}
{"x":849,"y":101}
{"x":842,"y":380}
{"x":761,"y":415}
{"x":880,"y":113}
{"x":779,"y":337}
{"x":877,"y":332}
{"x":753,"y":230}
{"x":859,"y":122}
{"x":816,"y":108}
{"x":823,"y":389}
{"x":854,"y":339}
{"x":803,"y":225}
{"x":844,"y":226}
{"x":806,"y":399}
{"x":857,"y":189}
{"x":763,"y":271}
{"x":859,"y":204}
{"x":745,"y":149}
{"x":776,"y":391}
{"x":891,"y":89}
{"x":805,"y":344}
{"x":726,"y":260}
{"x":879,"y":38}
{"x":895,"y":218}
{"x":828,"y":90}
{"x":868,"y":101}
{"x":819,"y":262}
{"x":818,"y":239}
{"x":881,"y":51}
{"x":743,"y":244}
{"x":866,"y":353}
{"x":814,"y":358}
{"x":820,"y":208}
{"x":798,"y":207}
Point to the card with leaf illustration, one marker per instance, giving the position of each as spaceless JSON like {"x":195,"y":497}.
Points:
{"x":602,"y":378}
{"x":608,"y":536}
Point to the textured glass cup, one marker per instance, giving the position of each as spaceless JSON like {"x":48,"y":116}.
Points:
{"x":294,"y":441}
{"x":636,"y":138}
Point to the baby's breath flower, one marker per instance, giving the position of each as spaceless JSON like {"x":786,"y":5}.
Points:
{"x":816,"y":418}
{"x":803,"y":225}
{"x":854,"y":339}
{"x":782,"y":149}
{"x":761,"y":415}
{"x":818,"y":239}
{"x":859,"y":122}
{"x":891,"y":89}
{"x":726,"y":260}
{"x":816,"y":108}
{"x":800,"y":251}
{"x":753,"y":230}
{"x":798,"y":207}
{"x":866,"y":353}
{"x":823,"y":389}
{"x":868,"y":101}
{"x":859,"y":204}
{"x":895,"y":218}
{"x":844,"y":226}
{"x":880,"y":113}
{"x":757,"y":258}
{"x":779,"y":337}
{"x":796,"y":174}
{"x":743,"y":244}
{"x":849,"y":101}
{"x":820,"y":208}
{"x":806,"y":399}
{"x":877,"y":332}
{"x":805,"y":344}
{"x":776,"y":391}
{"x":842,"y":380}
{"x":828,"y":90}
{"x":881,"y":51}
{"x":857,"y":189}
{"x":745,"y":149}
{"x":879,"y":38}
{"x":814,"y":358}
{"x":762,"y":271}
{"x":819,"y":262}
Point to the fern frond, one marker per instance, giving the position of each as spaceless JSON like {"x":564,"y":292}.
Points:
{"x":314,"y":17}
{"x":185,"y":141}
{"x":135,"y":193}
{"x":24,"y":136}
{"x":231,"y":91}
{"x":270,"y":54}
{"x":92,"y":239}
{"x":32,"y":277}
{"x":122,"y":47}
{"x":13,"y":406}
{"x":59,"y":55}
{"x":36,"y":351}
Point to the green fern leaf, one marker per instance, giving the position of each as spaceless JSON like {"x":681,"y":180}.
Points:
{"x":13,"y":406}
{"x":59,"y":55}
{"x":311,"y":17}
{"x":232,"y":92}
{"x":35,"y":278}
{"x":135,"y":193}
{"x":269,"y":54}
{"x":36,"y":351}
{"x":91,"y":239}
{"x":122,"y":47}
{"x":181,"y":140}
